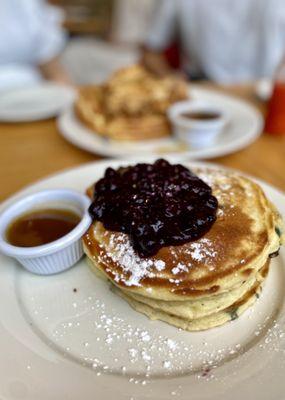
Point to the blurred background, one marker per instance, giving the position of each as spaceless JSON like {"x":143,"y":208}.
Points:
{"x":231,"y":48}
{"x":83,"y":41}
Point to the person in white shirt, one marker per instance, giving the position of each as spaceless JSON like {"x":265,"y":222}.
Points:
{"x":228,"y":41}
{"x":30,"y":42}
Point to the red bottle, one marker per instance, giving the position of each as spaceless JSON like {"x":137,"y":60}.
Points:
{"x":275,"y":119}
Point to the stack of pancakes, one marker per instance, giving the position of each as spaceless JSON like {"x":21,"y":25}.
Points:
{"x":131,"y":105}
{"x":203,"y":283}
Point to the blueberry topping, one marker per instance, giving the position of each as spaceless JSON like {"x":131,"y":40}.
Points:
{"x":156,"y":204}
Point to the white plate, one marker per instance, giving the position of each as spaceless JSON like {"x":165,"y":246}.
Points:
{"x":57,"y":343}
{"x":35,"y":103}
{"x":244,"y":127}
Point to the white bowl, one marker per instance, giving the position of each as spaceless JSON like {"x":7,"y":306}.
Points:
{"x":60,"y":254}
{"x":196,"y":132}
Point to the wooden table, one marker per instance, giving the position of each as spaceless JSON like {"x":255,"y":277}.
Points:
{"x":31,"y":151}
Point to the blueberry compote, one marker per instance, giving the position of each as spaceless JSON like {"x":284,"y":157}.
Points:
{"x":156,"y":204}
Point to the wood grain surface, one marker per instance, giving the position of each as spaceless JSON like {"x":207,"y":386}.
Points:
{"x":31,"y":151}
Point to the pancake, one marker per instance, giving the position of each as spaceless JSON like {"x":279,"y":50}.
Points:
{"x":199,"y":308}
{"x":138,"y":128}
{"x":194,"y":323}
{"x":237,"y":245}
{"x":195,"y":285}
{"x":229,"y":314}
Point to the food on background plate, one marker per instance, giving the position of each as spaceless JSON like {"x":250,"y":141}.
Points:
{"x":191,"y":248}
{"x":197,"y":123}
{"x":201,"y":115}
{"x":131,"y":105}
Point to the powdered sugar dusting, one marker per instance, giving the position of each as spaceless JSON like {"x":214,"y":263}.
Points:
{"x":159,"y":265}
{"x":202,"y":250}
{"x":222,"y":184}
{"x":179,"y":268}
{"x":134,"y":268}
{"x":149,"y":348}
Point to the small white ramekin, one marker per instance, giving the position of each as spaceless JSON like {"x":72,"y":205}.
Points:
{"x":197,"y":133}
{"x":59,"y":255}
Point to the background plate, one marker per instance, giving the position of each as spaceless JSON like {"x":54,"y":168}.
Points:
{"x":68,"y":336}
{"x":38,"y":102}
{"x":244,"y":127}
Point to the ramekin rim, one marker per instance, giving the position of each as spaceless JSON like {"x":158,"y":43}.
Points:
{"x":52,"y":247}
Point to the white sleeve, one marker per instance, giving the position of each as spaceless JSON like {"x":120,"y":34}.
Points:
{"x":163,"y":25}
{"x":50,"y":36}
